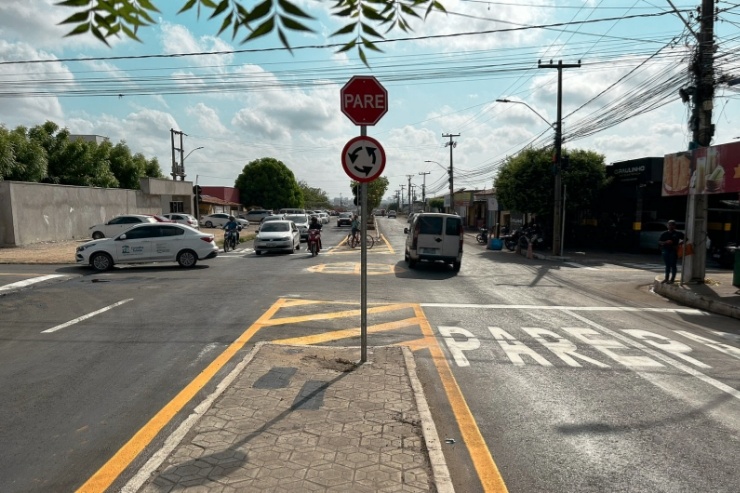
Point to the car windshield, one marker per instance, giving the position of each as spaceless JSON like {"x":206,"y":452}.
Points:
{"x":273,"y":226}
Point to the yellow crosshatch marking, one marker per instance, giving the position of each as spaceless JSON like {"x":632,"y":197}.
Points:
{"x":354,"y":268}
{"x":382,"y":246}
{"x":270,"y":321}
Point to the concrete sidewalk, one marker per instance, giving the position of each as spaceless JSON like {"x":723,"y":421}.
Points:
{"x":306,"y":419}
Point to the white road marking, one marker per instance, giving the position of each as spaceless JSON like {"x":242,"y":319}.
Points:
{"x":28,"y":282}
{"x":580,"y":266}
{"x":688,"y":311}
{"x":85,"y":317}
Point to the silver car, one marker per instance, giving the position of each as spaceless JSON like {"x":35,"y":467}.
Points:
{"x":279,"y":235}
{"x":300,"y":220}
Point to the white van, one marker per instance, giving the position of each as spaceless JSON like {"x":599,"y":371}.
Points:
{"x":433,"y":237}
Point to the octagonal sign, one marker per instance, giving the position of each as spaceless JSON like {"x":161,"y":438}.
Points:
{"x":364,"y":100}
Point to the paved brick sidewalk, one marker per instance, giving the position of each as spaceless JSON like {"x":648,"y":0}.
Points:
{"x":308,"y":419}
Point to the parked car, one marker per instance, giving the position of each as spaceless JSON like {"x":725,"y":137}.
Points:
{"x":301,"y":221}
{"x":724,"y":254}
{"x":274,"y":217}
{"x":160,"y":218}
{"x":182,"y":218}
{"x":344,"y":219}
{"x":392,"y":214}
{"x":219,"y":219}
{"x":149,"y":242}
{"x":118,"y":225}
{"x":651,"y":231}
{"x":279,"y":235}
{"x":324,"y":217}
{"x":256,"y":215}
{"x":410,"y":219}
{"x":435,"y":237}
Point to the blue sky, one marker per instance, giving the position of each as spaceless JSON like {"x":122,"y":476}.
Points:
{"x":443,"y":78}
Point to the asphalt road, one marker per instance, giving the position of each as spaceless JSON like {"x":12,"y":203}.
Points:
{"x":563,"y":377}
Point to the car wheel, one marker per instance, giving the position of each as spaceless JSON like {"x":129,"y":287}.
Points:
{"x":98,"y":235}
{"x":101,"y":261}
{"x":412,"y":263}
{"x":257,"y":252}
{"x":187,"y":258}
{"x":456,"y":266}
{"x":209,"y":224}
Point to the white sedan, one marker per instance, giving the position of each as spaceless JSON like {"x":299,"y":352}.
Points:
{"x":277,"y":235}
{"x":118,"y":225}
{"x":145,"y":243}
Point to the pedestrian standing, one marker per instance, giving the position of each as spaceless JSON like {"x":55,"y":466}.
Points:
{"x":669,"y":242}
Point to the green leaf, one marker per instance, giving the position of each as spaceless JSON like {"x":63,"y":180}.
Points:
{"x":284,"y":40}
{"x":294,"y":25}
{"x":76,"y":18}
{"x":345,"y":30}
{"x":347,"y":47}
{"x":208,"y":3}
{"x":74,"y":3}
{"x":226,"y":23}
{"x":259,"y":11}
{"x":361,"y":54}
{"x":131,"y":34}
{"x":96,"y":32}
{"x":367,"y":29}
{"x":262,"y":29}
{"x":345,"y":13}
{"x":409,"y":11}
{"x":372,"y":14}
{"x":186,"y":7}
{"x":370,"y":45}
{"x":82,"y":28}
{"x":146,"y":4}
{"x":293,"y":9}
{"x":219,"y":10}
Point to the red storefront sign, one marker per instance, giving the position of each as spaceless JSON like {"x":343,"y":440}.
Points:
{"x":708,"y":170}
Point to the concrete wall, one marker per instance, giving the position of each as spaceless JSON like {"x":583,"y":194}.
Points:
{"x":39,"y":212}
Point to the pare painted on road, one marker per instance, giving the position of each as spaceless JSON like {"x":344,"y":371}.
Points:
{"x":636,"y":353}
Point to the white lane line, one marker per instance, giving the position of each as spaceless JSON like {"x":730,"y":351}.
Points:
{"x":85,"y":317}
{"x":690,"y":311}
{"x":580,"y":266}
{"x":28,"y":282}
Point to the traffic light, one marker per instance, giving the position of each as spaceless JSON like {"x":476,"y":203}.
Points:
{"x":358,"y":193}
{"x":197,"y":191}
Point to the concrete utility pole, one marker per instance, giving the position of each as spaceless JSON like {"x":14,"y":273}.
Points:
{"x":409,"y":192}
{"x":452,"y":144}
{"x":702,"y":68}
{"x":557,"y":243}
{"x":424,"y":188}
{"x":178,"y":166}
{"x":400,"y":208}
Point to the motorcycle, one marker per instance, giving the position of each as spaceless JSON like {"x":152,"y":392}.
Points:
{"x":511,"y":241}
{"x":230,"y":240}
{"x":534,"y":236}
{"x":482,"y":237}
{"x":314,"y":241}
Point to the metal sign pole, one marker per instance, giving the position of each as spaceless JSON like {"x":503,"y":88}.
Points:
{"x":363,"y":264}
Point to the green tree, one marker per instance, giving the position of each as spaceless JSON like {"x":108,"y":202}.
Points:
{"x":268,"y":183}
{"x":20,"y":158}
{"x":255,"y":19}
{"x":525,"y":182}
{"x":313,"y":198}
{"x":438,"y":204}
{"x":375,"y":191}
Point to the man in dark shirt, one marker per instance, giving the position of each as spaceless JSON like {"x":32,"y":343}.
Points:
{"x":669,"y":242}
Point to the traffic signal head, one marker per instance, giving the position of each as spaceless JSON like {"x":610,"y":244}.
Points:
{"x":197,"y":191}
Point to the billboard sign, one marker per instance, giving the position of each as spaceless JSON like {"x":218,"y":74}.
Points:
{"x":707,"y":170}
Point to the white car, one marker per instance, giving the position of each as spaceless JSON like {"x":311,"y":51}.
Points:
{"x":182,"y":218}
{"x":300,"y":220}
{"x":277,"y":235}
{"x":219,"y":219}
{"x":324,"y":217}
{"x":118,"y":225}
{"x":144,"y":243}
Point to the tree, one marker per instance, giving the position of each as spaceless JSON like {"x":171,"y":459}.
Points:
{"x":268,"y":183}
{"x":20,"y":158}
{"x":526,"y":182}
{"x":375,"y":191}
{"x":362,"y":18}
{"x":437,"y":204}
{"x":313,"y":198}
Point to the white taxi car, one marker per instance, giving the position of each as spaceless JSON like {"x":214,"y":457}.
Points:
{"x":145,"y":243}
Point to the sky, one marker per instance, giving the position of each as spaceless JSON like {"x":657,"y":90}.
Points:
{"x":257,"y":100}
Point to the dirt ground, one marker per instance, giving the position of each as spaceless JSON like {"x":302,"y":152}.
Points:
{"x":61,"y":252}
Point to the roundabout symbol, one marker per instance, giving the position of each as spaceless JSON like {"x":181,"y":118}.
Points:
{"x":363,"y":159}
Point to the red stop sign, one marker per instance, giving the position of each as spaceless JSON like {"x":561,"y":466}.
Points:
{"x":364,"y":100}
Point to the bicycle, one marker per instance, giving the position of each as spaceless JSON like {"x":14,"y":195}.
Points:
{"x":354,"y":240}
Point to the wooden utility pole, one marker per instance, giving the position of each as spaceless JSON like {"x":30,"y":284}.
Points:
{"x":558,"y":212}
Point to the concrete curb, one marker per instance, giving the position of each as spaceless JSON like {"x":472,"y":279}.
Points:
{"x":442,"y":479}
{"x":681,"y":295}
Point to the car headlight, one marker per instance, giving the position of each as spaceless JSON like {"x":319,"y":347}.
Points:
{"x":82,"y":248}
{"x":284,"y":238}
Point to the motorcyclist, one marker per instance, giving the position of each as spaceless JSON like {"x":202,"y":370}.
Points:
{"x":315,"y":224}
{"x":232,"y":225}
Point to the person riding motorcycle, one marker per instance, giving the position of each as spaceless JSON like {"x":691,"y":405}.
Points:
{"x":315,"y":224}
{"x":232,"y":225}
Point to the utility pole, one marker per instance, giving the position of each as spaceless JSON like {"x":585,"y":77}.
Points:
{"x":702,"y":68}
{"x":400,"y":208}
{"x":409,"y":192}
{"x":557,"y":240}
{"x":178,"y":167}
{"x":451,"y":144}
{"x":424,"y":188}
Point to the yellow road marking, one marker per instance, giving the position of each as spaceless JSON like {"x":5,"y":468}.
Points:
{"x":353,"y":268}
{"x":337,"y":335}
{"x":104,"y":477}
{"x":332,"y":315}
{"x":486,"y":468}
